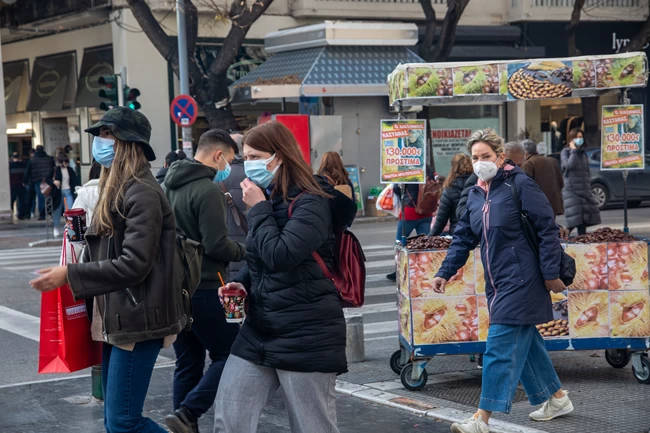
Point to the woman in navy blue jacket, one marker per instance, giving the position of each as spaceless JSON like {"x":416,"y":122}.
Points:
{"x":518,"y":281}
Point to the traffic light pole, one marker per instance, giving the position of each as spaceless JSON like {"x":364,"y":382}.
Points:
{"x":120,"y":92}
{"x":182,"y":68}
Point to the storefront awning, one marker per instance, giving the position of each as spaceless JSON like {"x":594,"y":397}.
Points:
{"x":96,"y":62}
{"x":13,"y":79}
{"x":52,"y":79}
{"x":324,"y":71}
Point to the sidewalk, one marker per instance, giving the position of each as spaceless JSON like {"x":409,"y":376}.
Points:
{"x":606,"y":400}
{"x":63,"y":406}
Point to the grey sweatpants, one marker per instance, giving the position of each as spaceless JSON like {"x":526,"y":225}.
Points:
{"x":245,"y":388}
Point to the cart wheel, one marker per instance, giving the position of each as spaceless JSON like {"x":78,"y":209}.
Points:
{"x":642,"y":376}
{"x":409,"y":383}
{"x":617,"y":358}
{"x":395,"y":363}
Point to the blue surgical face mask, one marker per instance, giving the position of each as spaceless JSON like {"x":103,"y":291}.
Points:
{"x":257,"y":172}
{"x":223,"y":174}
{"x":104,"y":151}
{"x":578,"y":141}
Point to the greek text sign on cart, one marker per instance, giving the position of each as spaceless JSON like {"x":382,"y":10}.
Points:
{"x":622,"y":140}
{"x":184,"y":110}
{"x":403,"y":151}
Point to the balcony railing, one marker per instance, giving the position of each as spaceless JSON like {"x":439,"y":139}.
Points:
{"x":25,"y":12}
{"x":593,"y":10}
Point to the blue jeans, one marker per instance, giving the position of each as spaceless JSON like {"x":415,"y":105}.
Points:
{"x":194,"y":389}
{"x":41,"y":199}
{"x":125,"y":378}
{"x":514,"y":353}
{"x":421,"y":227}
{"x":69,"y":199}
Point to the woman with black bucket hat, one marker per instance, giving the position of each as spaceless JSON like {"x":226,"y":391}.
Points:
{"x":127,"y":268}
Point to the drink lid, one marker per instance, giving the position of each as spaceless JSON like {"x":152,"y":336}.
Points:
{"x":74,"y":212}
{"x":234,"y":291}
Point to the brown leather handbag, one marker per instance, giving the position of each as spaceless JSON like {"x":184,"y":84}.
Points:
{"x":46,"y":188}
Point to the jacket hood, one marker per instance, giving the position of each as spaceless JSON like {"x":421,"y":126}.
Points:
{"x":185,"y":171}
{"x":343,"y":209}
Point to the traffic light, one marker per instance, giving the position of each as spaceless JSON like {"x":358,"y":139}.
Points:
{"x":108,"y":92}
{"x":131,"y":98}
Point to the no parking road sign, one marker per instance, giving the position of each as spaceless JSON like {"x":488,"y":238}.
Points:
{"x":183,"y":110}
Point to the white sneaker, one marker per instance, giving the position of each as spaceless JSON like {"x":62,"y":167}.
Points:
{"x":553,"y":408}
{"x":56,"y":232}
{"x":471,"y":425}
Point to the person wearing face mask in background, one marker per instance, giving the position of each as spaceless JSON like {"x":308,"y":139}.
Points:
{"x":518,"y":282}
{"x":127,"y":271}
{"x":200,"y":209}
{"x":580,"y":206}
{"x":231,"y":186}
{"x":294,"y":332}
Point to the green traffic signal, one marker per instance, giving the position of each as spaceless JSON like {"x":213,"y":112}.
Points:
{"x":131,"y":98}
{"x":108,"y":92}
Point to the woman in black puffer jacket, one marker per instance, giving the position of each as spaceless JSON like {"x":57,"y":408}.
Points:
{"x":461,"y":169}
{"x":294,"y":332}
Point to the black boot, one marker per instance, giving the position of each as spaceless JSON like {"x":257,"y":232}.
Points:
{"x":392,"y":277}
{"x":182,"y":421}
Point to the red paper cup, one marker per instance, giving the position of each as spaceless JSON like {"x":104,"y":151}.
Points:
{"x":233,"y":304}
{"x":75,"y":221}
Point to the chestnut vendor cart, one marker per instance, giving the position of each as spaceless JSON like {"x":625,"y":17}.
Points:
{"x":608,"y":305}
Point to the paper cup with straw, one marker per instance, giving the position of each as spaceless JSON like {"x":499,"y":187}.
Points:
{"x":233,"y":303}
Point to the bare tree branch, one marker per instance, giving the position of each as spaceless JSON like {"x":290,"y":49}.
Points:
{"x":640,"y":40}
{"x":455,"y":9}
{"x":154,"y":31}
{"x":572,"y":27}
{"x":242,"y":16}
{"x":426,"y":52}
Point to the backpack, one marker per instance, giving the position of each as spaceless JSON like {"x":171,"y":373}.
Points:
{"x":349,"y":274}
{"x":428,"y":197}
{"x":567,"y":263}
{"x":187,"y":270}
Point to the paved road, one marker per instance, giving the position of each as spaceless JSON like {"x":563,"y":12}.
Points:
{"x":454,"y":381}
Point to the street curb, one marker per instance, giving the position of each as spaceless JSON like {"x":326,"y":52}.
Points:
{"x":45,"y":243}
{"x":420,"y":408}
{"x":378,"y":219}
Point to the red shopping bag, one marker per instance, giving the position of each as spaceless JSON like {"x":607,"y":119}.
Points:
{"x":65,"y":344}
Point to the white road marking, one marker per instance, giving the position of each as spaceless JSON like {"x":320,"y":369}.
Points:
{"x":380,"y":327}
{"x":19,"y":323}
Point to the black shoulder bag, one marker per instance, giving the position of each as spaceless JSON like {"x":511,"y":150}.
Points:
{"x":567,"y":263}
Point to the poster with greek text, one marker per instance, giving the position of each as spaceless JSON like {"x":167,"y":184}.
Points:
{"x":622,"y":140}
{"x":449,"y":137}
{"x":403,"y":151}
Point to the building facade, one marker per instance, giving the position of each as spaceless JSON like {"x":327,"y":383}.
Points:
{"x":52,"y":55}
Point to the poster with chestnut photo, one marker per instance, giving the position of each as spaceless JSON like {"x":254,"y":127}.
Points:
{"x":445,"y":320}
{"x":476,"y":80}
{"x":423,"y":267}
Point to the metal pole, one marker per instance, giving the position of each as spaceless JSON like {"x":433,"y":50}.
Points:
{"x":120,"y":90}
{"x":182,"y":68}
{"x":626,"y":229}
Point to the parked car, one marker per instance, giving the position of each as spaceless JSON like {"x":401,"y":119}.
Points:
{"x":607,"y":185}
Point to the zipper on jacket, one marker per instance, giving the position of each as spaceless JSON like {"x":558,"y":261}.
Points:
{"x":486,"y":226}
{"x":131,"y":297}
{"x":104,"y":321}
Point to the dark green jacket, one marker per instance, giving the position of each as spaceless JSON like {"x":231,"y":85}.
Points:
{"x":201,"y":210}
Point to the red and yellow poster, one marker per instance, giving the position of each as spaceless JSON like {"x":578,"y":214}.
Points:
{"x":622,"y":140}
{"x":403,"y":151}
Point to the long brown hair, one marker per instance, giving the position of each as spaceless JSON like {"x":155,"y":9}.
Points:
{"x":275,"y":138}
{"x":128,"y":165}
{"x":332,"y":168}
{"x":573,"y":134}
{"x":461,"y":164}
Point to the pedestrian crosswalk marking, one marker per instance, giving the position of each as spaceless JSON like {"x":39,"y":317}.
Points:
{"x":29,"y":259}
